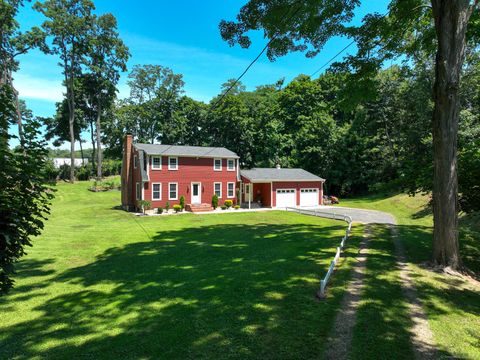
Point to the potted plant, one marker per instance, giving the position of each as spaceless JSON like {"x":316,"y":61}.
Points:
{"x":144,"y":205}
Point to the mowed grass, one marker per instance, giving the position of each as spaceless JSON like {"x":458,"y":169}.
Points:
{"x":100,"y":283}
{"x":451,"y":303}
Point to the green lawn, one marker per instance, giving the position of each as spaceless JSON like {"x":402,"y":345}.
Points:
{"x":452,"y":305}
{"x":100,"y":283}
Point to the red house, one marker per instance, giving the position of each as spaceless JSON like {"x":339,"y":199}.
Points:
{"x":163,"y":173}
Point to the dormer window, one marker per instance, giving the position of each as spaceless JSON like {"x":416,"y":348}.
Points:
{"x":173,"y":163}
{"x":217,"y":164}
{"x":231,"y":165}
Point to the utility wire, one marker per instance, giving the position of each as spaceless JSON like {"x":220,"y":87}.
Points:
{"x":333,"y":58}
{"x":253,"y":62}
{"x":340,"y":52}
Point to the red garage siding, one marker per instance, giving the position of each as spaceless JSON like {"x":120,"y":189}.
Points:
{"x":190,"y":169}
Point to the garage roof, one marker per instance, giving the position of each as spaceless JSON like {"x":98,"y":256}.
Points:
{"x":275,"y":174}
{"x":181,"y":150}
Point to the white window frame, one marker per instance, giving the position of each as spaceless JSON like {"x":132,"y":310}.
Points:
{"x":228,"y":190}
{"x":138,"y":190}
{"x":135,"y":159}
{"x":153,"y":166}
{"x":176,"y":163}
{"x":214,"y":161}
{"x":215,"y":183}
{"x":233,"y":165}
{"x":160,"y":191}
{"x":176,"y":191}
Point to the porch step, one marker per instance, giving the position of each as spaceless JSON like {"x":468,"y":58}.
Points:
{"x":198,"y":207}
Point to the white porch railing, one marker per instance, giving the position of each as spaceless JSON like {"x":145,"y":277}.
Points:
{"x":334,"y":216}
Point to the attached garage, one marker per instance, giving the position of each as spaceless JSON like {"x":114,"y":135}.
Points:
{"x":309,"y":197}
{"x":280,"y":188}
{"x":286,"y":198}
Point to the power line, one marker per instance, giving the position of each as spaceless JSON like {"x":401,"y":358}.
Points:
{"x":253,"y":62}
{"x":333,"y":58}
{"x":341,"y":51}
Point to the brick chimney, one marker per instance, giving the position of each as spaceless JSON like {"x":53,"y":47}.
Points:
{"x":127,"y":202}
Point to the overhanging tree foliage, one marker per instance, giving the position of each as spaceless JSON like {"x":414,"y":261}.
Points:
{"x":24,"y":195}
{"x":410,"y":26}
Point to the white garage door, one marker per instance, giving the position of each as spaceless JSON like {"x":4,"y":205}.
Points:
{"x":286,"y":197}
{"x":308,"y":197}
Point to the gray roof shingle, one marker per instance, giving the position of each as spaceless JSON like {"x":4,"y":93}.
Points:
{"x":274,"y":174}
{"x":181,"y":150}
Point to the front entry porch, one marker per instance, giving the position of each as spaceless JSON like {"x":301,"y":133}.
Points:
{"x":256,"y":195}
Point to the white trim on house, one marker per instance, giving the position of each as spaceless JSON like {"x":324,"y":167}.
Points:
{"x":215,"y":192}
{"x":233,"y":190}
{"x":176,"y":163}
{"x":199,"y":192}
{"x":215,"y":163}
{"x":233,"y":165}
{"x":176,"y":191}
{"x":148,"y":166}
{"x":153,"y":157}
{"x":153,"y":191}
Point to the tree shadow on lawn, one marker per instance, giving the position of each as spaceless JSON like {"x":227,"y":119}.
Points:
{"x":222,"y":291}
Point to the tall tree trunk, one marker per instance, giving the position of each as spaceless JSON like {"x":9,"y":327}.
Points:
{"x":71,"y":117}
{"x":99,"y":142}
{"x":81,"y":150}
{"x":92,"y":138}
{"x":451,"y":18}
{"x":71,"y":121}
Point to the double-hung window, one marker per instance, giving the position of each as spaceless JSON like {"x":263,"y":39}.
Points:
{"x":231,"y":189}
{"x":172,"y":191}
{"x":138,"y":191}
{"x":217,"y":164}
{"x":230,"y":165}
{"x":173,"y":163}
{"x":217,"y":189}
{"x":156,"y":162}
{"x":156,"y":191}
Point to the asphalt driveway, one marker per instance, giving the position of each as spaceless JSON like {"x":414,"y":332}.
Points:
{"x":359,"y":215}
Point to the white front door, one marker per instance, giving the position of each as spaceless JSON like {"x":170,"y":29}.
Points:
{"x":196,"y":193}
{"x":286,"y":198}
{"x":308,"y":197}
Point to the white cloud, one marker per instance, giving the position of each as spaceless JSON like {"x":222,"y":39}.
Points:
{"x":37,"y":87}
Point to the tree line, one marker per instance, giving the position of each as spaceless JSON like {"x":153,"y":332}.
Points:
{"x":358,"y":142}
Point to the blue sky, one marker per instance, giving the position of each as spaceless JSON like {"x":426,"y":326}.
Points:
{"x":182,"y":35}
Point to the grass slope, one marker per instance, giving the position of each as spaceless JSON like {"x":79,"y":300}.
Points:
{"x":452,"y":304}
{"x":100,"y":283}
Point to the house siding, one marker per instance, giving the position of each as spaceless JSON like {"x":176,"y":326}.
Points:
{"x":190,"y":169}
